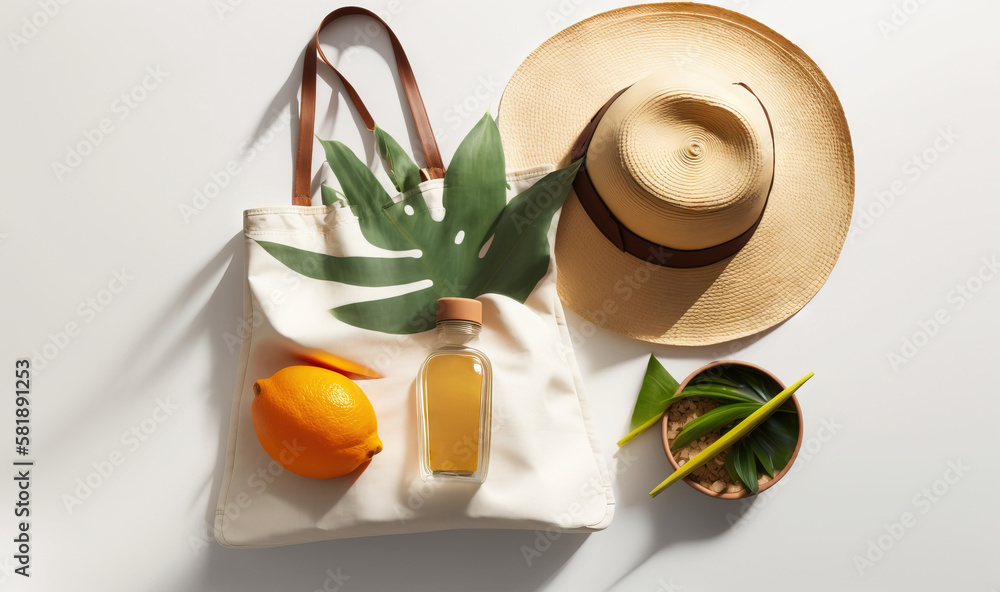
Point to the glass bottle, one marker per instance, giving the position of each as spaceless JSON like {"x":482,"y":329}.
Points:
{"x":454,"y":397}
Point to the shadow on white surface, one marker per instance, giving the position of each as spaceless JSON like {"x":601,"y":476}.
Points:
{"x":287,"y":98}
{"x":679,"y":516}
{"x":599,"y":350}
{"x":450,"y":560}
{"x":225,"y":304}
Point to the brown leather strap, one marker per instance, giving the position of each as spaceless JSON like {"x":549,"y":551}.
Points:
{"x":302,"y":194}
{"x":629,"y":242}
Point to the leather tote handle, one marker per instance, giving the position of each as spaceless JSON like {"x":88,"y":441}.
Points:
{"x":302,"y":194}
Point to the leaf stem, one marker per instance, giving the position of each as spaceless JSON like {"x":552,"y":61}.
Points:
{"x":632,"y":435}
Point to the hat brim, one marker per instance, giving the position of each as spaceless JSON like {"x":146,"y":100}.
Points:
{"x":558,"y":88}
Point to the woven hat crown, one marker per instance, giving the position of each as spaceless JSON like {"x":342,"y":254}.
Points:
{"x":683,"y":159}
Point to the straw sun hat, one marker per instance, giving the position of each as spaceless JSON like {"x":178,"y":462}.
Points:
{"x":718,"y":183}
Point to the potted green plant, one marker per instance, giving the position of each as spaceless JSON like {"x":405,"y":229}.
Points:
{"x":704,"y":406}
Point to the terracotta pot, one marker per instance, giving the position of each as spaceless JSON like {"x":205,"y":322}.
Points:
{"x":745,"y":492}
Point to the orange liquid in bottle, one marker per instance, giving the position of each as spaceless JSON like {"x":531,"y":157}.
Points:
{"x":453,"y":391}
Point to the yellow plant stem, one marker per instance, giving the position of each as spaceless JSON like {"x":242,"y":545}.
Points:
{"x":632,"y":435}
{"x":729,"y":438}
{"x":635,"y":433}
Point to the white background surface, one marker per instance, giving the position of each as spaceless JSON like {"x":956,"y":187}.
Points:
{"x":146,"y":526}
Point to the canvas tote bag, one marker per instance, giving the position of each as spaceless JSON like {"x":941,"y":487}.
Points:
{"x":546,"y":469}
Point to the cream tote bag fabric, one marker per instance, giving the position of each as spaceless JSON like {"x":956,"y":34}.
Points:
{"x":335,"y":277}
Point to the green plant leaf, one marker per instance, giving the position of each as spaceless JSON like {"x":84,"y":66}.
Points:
{"x":745,"y":465}
{"x":731,"y":464}
{"x":712,"y":420}
{"x":521,"y":235}
{"x":332,"y":196}
{"x":360,"y":186}
{"x":763,"y":453}
{"x":715,"y":380}
{"x":403,"y":172}
{"x":781,"y":431}
{"x":721,"y":394}
{"x":475,"y":183}
{"x":411,"y":312}
{"x":762,"y":386}
{"x":480,"y":245}
{"x":658,"y":391}
{"x":723,"y":384}
{"x":359,"y":271}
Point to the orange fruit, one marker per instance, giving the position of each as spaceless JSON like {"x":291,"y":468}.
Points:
{"x":350,"y":369}
{"x":314,"y":422}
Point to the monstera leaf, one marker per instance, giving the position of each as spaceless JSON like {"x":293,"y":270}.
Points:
{"x":482,"y":244}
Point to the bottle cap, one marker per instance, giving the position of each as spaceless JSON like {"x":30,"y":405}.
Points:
{"x":461,"y":309}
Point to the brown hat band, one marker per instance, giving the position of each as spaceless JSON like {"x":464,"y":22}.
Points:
{"x":628,"y":241}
